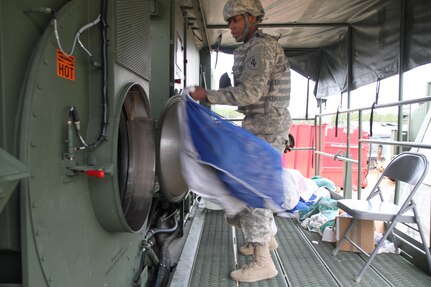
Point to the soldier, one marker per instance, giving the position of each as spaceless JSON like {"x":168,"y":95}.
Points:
{"x":262,"y":92}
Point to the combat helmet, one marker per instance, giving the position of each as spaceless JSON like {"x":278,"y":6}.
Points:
{"x":241,"y":7}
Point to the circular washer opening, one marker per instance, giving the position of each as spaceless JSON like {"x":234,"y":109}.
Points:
{"x":136,"y":158}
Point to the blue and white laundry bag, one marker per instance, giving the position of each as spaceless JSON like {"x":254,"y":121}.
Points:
{"x":231,"y":166}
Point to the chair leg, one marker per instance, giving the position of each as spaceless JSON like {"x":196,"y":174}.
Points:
{"x":394,"y":241}
{"x":349,"y":228}
{"x":424,"y":242}
{"x":376,"y":249}
{"x":368,"y":263}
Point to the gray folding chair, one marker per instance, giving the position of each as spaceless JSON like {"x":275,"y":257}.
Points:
{"x":408,"y":167}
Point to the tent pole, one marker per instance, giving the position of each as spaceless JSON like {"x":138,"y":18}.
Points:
{"x":400,"y":85}
{"x":348,"y":166}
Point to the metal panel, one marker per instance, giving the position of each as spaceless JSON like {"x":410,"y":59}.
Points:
{"x":11,"y":170}
{"x":162,"y":57}
{"x":63,"y":243}
{"x":133,"y":36}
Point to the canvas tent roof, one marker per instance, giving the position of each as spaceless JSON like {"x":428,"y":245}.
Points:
{"x":321,"y":37}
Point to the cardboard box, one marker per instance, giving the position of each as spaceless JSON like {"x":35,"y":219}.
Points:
{"x":362,"y":234}
{"x":379,"y":227}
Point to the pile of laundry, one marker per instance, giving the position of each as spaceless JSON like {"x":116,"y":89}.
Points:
{"x":319,"y":215}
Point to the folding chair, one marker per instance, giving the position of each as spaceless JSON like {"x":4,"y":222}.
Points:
{"x":408,"y":167}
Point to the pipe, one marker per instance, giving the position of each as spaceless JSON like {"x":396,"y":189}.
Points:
{"x":165,"y":261}
{"x":164,"y":266}
{"x":155,"y":231}
{"x":148,"y":251}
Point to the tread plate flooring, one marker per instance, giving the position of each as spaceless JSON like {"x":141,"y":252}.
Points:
{"x":302,"y":259}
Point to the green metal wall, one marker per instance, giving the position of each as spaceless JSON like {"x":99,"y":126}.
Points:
{"x":166,"y":26}
{"x":161,"y":87}
{"x":51,"y":225}
{"x":60,"y":227}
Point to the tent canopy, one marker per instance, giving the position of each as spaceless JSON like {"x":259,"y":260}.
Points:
{"x":328,"y":40}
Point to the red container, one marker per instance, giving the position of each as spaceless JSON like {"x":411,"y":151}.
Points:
{"x":303,"y":160}
{"x":334,"y":169}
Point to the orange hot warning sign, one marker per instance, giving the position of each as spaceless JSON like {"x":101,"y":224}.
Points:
{"x":65,"y":66}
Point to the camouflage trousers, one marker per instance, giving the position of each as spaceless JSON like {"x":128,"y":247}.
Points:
{"x":257,"y":224}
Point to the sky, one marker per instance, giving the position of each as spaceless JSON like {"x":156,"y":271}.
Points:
{"x":416,"y":83}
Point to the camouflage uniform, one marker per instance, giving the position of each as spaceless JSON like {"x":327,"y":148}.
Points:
{"x":262,"y":93}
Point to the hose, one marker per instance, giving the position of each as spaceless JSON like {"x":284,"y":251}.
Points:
{"x":73,"y":113}
{"x":165,"y":261}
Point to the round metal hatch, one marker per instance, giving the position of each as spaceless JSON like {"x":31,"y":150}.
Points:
{"x":136,"y":158}
{"x":171,"y":179}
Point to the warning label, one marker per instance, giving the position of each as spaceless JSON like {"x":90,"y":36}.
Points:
{"x":65,"y":66}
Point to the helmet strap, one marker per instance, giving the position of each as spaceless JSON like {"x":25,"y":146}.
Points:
{"x":246,"y":25}
{"x":245,"y":36}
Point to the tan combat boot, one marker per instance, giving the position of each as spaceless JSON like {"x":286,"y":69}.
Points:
{"x":248,"y":248}
{"x":260,"y":268}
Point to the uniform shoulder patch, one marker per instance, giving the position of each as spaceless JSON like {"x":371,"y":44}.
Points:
{"x":255,"y":60}
{"x":254,"y":63}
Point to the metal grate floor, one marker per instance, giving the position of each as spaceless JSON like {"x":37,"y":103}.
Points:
{"x":301,"y":258}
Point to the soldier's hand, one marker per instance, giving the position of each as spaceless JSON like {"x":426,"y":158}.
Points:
{"x":290,"y":143}
{"x":198,"y":94}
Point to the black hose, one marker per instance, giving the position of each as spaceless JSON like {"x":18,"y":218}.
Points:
{"x":165,"y":261}
{"x":164,"y":267}
{"x":105,"y":106}
{"x":155,"y":231}
{"x":105,"y":116}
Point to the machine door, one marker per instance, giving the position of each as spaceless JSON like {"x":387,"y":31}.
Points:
{"x":172,"y":183}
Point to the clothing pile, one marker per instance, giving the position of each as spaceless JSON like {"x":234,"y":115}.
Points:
{"x":319,"y":215}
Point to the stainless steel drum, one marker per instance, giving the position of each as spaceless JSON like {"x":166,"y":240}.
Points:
{"x":170,"y":175}
{"x":136,"y":158}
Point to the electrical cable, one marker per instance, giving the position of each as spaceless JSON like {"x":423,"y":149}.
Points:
{"x":77,"y":35}
{"x":105,"y":112}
